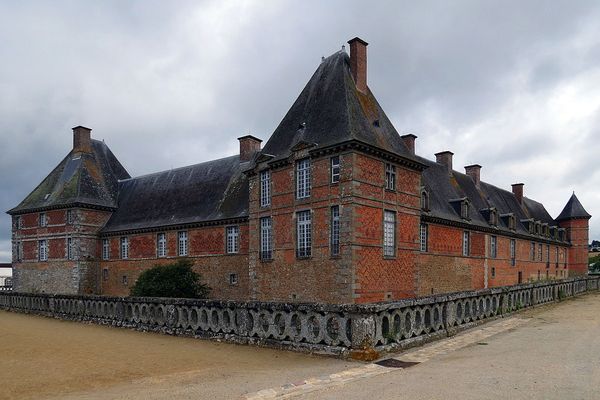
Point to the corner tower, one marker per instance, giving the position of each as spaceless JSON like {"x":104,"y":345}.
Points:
{"x":575,"y":220}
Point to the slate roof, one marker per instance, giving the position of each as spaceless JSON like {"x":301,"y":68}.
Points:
{"x":573,"y":210}
{"x":443,"y":187}
{"x":331,"y":110}
{"x":80,"y":179}
{"x":213,"y":190}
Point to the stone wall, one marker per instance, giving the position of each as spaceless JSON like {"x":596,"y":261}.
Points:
{"x":362,"y":331}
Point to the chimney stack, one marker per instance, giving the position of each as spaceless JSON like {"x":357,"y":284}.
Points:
{"x":358,"y":62}
{"x":249,"y":146}
{"x":517,"y":189}
{"x":82,"y":139}
{"x":445,"y":158}
{"x":409,"y":142}
{"x":474,"y":171}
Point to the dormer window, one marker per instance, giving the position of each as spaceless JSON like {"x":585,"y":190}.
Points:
{"x":493,"y":219}
{"x":546,"y":230}
{"x":510,"y":221}
{"x":561,"y":234}
{"x":424,"y":200}
{"x":538,"y":228}
{"x":464,"y":209}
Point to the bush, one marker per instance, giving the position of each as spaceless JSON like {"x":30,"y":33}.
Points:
{"x":170,"y":280}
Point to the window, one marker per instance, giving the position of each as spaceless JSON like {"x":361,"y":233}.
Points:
{"x":233,"y":239}
{"x":513,"y":252}
{"x":423,"y":235}
{"x":265,"y":188}
{"x":70,"y":255}
{"x":182,"y":243}
{"x":389,"y":233}
{"x":493,"y":246}
{"x":233,"y":279}
{"x":424,"y":200}
{"x":266,"y":238}
{"x":43,"y":220}
{"x":335,"y":231}
{"x":124,"y":280}
{"x":547,"y":256}
{"x":556,"y":256}
{"x":303,"y":179}
{"x":43,"y":253}
{"x":532,"y":252}
{"x":303,"y":234}
{"x":19,"y":251}
{"x":70,"y":217}
{"x":161,"y":245}
{"x":124,"y":247}
{"x":335,"y":169}
{"x":540,"y":255}
{"x":493,"y":272}
{"x":466,"y":243}
{"x":390,"y":177}
{"x":18,"y":222}
{"x":512,"y":222}
{"x":105,"y":249}
{"x":493,"y":217}
{"x":464,"y":209}
{"x":105,"y":274}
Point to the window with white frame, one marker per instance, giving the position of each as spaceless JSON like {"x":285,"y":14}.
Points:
{"x":389,"y":233}
{"x":70,"y":255}
{"x":532,"y":252}
{"x":335,"y":231}
{"x":105,"y":249}
{"x":390,"y":176}
{"x":182,"y":243}
{"x":70,"y":217}
{"x":124,"y":247}
{"x":233,"y":239}
{"x":43,"y":220}
{"x":43,"y":250}
{"x":19,"y":251}
{"x":513,"y":252}
{"x":423,"y":235}
{"x":303,"y":234}
{"x":265,"y":188}
{"x":161,"y":244}
{"x":424,"y":200}
{"x":303,"y":178}
{"x":18,"y":222}
{"x":335,"y":169}
{"x":464,"y":213}
{"x":466,"y":243}
{"x":493,"y":246}
{"x":540,"y":254}
{"x":266,"y":238}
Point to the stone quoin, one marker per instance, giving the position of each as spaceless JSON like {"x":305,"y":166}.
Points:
{"x":337,"y":207}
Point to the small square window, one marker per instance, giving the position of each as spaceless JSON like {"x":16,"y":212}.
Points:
{"x":125,"y":280}
{"x":105,"y":274}
{"x":233,"y":279}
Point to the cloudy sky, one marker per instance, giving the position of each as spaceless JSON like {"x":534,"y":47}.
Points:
{"x":511,"y":85}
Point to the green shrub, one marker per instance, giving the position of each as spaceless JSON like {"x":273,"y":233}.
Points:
{"x":170,"y":280}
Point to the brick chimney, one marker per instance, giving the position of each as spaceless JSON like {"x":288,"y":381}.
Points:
{"x":249,"y":145}
{"x":82,"y":139}
{"x":517,"y":189}
{"x":358,"y":62}
{"x":445,"y":158}
{"x":409,"y":142}
{"x":474,"y":171}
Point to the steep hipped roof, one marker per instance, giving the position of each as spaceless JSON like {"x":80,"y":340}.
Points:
{"x":209,"y":191}
{"x":80,"y":179}
{"x":444,"y":188}
{"x":331,"y":110}
{"x":573,"y":210}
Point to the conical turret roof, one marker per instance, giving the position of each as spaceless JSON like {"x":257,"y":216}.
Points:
{"x":573,"y":210}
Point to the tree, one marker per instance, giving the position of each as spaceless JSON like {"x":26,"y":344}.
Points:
{"x":171,"y":280}
{"x":595,"y":243}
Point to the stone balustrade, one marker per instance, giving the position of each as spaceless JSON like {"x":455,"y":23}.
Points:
{"x":358,"y":330}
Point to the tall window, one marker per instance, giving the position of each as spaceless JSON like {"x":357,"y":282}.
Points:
{"x":161,"y":245}
{"x":390,"y":176}
{"x":464,"y":209}
{"x":423,"y":235}
{"x":335,"y":169}
{"x":532,"y":252}
{"x":335,"y":231}
{"x":540,"y":254}
{"x":389,"y":233}
{"x":303,"y":179}
{"x":265,"y":188}
{"x":19,"y":252}
{"x":182,"y":243}
{"x":556,"y":256}
{"x":303,"y":234}
{"x":43,"y":247}
{"x":124,"y":247}
{"x":512,"y":222}
{"x":43,"y":220}
{"x":18,"y":222}
{"x":70,"y":249}
{"x":266,"y":238}
{"x":424,"y":200}
{"x":105,"y":249}
{"x":70,"y":217}
{"x":466,"y":243}
{"x":513,"y":252}
{"x":547,"y":256}
{"x":493,"y":246}
{"x":233,"y":239}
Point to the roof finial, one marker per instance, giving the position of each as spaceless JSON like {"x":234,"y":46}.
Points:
{"x":343,"y":47}
{"x":322,"y":58}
